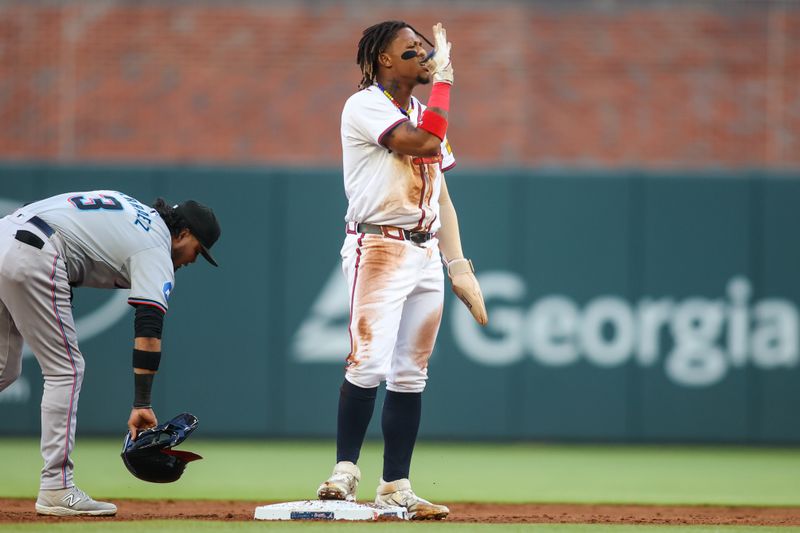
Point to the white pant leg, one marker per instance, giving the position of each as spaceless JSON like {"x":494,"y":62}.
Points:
{"x":37,"y":293}
{"x":419,"y":324}
{"x":377,"y":271}
{"x":10,"y":337}
{"x":10,"y":348}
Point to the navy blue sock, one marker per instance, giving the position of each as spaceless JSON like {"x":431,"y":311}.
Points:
{"x":400,"y":424}
{"x":355,"y":411}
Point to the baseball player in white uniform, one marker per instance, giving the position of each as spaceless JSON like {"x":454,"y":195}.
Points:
{"x":100,"y":239}
{"x":400,"y":222}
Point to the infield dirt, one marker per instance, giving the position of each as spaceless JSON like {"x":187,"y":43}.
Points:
{"x":16,"y":510}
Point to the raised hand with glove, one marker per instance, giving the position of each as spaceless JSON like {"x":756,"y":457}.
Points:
{"x":439,"y":64}
{"x":459,"y":269}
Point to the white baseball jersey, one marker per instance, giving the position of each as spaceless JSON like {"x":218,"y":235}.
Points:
{"x":384,"y":187}
{"x":111,"y":241}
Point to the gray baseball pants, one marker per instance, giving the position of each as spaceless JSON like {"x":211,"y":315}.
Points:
{"x":35,"y":306}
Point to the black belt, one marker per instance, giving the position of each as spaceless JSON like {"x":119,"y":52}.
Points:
{"x":417,"y":237}
{"x":31,"y":238}
{"x":42,"y":225}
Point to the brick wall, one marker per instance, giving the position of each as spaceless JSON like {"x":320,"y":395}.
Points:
{"x":652,"y":84}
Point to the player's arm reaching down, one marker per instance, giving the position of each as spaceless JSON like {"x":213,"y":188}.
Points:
{"x":459,"y":269}
{"x":146,"y":359}
{"x":425,"y":139}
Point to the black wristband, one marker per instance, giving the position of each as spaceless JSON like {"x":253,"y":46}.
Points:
{"x":146,"y":360}
{"x":142,"y":387}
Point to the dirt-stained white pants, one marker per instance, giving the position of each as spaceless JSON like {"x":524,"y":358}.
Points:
{"x":35,"y":305}
{"x":396,"y":297}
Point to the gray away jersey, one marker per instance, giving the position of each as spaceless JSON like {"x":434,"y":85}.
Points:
{"x":112,"y":241}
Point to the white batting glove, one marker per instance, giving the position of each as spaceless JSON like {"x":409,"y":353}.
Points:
{"x":439,"y":63}
{"x":465,"y":286}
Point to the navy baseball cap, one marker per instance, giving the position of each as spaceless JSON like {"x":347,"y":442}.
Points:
{"x":202,"y":222}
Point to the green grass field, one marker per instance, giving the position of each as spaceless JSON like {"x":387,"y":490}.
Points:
{"x":291,"y":470}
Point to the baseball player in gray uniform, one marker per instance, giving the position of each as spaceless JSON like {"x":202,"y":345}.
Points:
{"x":100,"y":239}
{"x":400,"y":225}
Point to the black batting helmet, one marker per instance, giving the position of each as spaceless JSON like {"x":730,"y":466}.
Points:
{"x":151,"y":458}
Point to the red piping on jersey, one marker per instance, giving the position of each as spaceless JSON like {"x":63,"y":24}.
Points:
{"x":390,"y":128}
{"x":430,"y":225}
{"x":453,"y":164}
{"x":424,"y":175}
{"x":136,"y":301}
{"x":74,"y":374}
{"x":353,"y":294}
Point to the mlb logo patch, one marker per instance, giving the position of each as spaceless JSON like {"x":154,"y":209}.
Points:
{"x":167,"y":290}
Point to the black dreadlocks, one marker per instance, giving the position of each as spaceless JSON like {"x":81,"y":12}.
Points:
{"x":172,"y":219}
{"x":373,"y":43}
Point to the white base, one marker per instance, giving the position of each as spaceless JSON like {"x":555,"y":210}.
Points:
{"x":329,"y":510}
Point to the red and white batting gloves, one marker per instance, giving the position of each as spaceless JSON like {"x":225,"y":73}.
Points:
{"x":465,"y":286}
{"x":439,"y":64}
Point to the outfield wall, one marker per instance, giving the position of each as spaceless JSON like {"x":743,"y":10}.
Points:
{"x":623,"y":307}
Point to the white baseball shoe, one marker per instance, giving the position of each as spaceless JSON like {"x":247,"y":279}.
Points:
{"x":342,"y":484}
{"x":71,"y":502}
{"x":399,"y":493}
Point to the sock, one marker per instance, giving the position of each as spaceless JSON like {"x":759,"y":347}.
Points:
{"x":400,"y":424}
{"x":355,"y":411}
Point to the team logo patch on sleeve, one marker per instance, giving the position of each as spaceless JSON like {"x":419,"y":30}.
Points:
{"x":167,"y":289}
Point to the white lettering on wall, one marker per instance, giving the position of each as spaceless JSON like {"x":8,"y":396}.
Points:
{"x":696,"y":340}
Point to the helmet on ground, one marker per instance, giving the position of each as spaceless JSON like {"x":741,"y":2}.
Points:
{"x":151,"y":458}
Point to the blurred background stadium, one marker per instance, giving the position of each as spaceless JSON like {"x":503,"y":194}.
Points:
{"x":628,"y":185}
